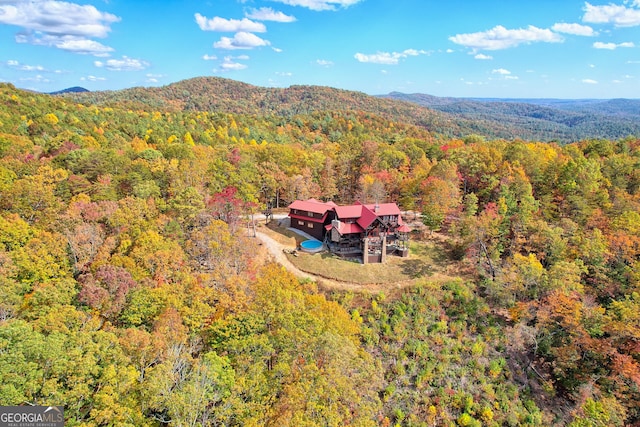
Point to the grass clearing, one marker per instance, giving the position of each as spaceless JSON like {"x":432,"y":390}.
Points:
{"x":427,"y":259}
{"x":281,"y":234}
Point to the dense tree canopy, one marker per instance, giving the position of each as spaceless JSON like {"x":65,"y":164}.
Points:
{"x":131,"y":294}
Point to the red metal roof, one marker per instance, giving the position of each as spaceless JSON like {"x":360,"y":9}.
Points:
{"x":404,"y":228}
{"x":347,"y":212}
{"x":364,"y":215}
{"x":356,"y":210}
{"x":311,"y":205}
{"x":367,"y":217}
{"x":349,"y":228}
{"x":385,"y":209}
{"x":307,"y":218}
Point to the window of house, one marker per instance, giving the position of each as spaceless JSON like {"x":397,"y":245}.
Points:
{"x":300,"y":222}
{"x":310,"y":225}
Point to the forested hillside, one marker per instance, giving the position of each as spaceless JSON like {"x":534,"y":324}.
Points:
{"x":131,"y":294}
{"x":443,"y":116}
{"x":230,"y":96}
{"x":540,"y":119}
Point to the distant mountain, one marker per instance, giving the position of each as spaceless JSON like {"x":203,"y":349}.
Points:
{"x":230,"y":96}
{"x":450,"y":117}
{"x":618,"y":107}
{"x":75,"y":89}
{"x":544,"y":119}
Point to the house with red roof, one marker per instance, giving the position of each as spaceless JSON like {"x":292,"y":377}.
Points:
{"x":311,"y":216}
{"x":371,"y":231}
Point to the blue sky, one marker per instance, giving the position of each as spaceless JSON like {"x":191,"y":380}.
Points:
{"x":470,"y":48}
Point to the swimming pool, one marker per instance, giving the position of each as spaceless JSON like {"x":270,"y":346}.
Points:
{"x":311,"y":246}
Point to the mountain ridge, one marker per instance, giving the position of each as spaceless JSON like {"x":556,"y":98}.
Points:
{"x":74,"y":89}
{"x":450,"y":117}
{"x":630,"y":106}
{"x":580,"y":118}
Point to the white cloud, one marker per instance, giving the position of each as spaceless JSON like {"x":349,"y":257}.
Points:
{"x":324,"y":63}
{"x":450,"y":51}
{"x":414,"y":52}
{"x":154,"y":78}
{"x":233,"y":66}
{"x":590,"y":81}
{"x":506,"y":74}
{"x":207,"y":57}
{"x":482,"y":56}
{"x":93,"y":79}
{"x":57,"y":17}
{"x":124,"y":64}
{"x":388,"y":58}
{"x":37,"y":79}
{"x":284,"y":74}
{"x":500,"y":37}
{"x":32,"y":68}
{"x":24,"y":67}
{"x":575,"y":29}
{"x":276,"y":49}
{"x":378,"y":58}
{"x":69,"y":43}
{"x":618,"y":15}
{"x":241,"y":40}
{"x":229,"y":25}
{"x":83,"y":46}
{"x":60,"y":24}
{"x":230,"y":65}
{"x":268,"y":14}
{"x":320,"y":4}
{"x":612,"y":46}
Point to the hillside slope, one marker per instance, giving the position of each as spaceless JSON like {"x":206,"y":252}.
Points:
{"x":131,"y":291}
{"x":552,"y":120}
{"x":543,"y":119}
{"x":229,"y":96}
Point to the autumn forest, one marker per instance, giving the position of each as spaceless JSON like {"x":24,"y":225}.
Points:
{"x":132,"y":294}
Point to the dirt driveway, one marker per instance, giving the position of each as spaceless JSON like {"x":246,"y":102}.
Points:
{"x":276,"y":251}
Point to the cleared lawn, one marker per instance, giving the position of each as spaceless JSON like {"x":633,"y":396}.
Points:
{"x":427,"y":259}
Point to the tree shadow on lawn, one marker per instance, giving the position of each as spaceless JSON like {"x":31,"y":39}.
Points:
{"x":416,"y":268}
{"x":436,"y":253}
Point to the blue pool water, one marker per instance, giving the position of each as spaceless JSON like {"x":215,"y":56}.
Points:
{"x":311,"y":245}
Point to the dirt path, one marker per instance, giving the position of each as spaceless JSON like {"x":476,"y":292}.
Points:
{"x":275,"y":249}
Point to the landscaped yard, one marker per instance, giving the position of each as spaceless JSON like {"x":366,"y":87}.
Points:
{"x":427,"y":259}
